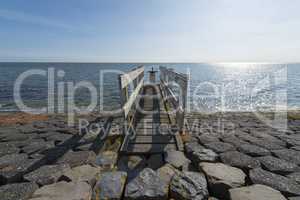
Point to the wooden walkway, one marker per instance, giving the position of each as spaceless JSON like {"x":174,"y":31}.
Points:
{"x":151,"y":128}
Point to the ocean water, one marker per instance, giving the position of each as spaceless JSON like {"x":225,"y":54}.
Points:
{"x":212,"y":87}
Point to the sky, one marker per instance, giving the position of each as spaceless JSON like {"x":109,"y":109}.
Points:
{"x":150,"y":30}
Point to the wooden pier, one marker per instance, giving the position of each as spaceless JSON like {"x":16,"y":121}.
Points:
{"x":153,"y":114}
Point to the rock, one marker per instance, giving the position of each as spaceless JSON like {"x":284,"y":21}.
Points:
{"x":296,"y":148}
{"x":295,"y":177}
{"x":6,"y":149}
{"x":19,"y":144}
{"x":167,"y":172}
{"x":131,"y":162}
{"x":189,"y":186}
{"x":268,"y":144}
{"x":240,"y":160}
{"x":294,"y":198}
{"x":222,"y":177}
{"x":147,"y":186}
{"x":36,"y":147}
{"x":277,"y":165}
{"x":255,"y":192}
{"x":107,"y":160}
{"x":133,"y":165}
{"x":155,"y":161}
{"x":220,"y":147}
{"x":17,"y":191}
{"x":234,"y":141}
{"x":12,"y":167}
{"x":263,"y":135}
{"x":63,"y":191}
{"x":84,"y":147}
{"x":176,"y":159}
{"x":4,"y":130}
{"x":192,"y":146}
{"x":84,"y":173}
{"x":278,"y":182}
{"x":253,"y":150}
{"x":15,"y":137}
{"x":204,"y":139}
{"x":288,"y":155}
{"x":203,"y":155}
{"x":47,"y":174}
{"x":59,"y":138}
{"x":110,"y":186}
{"x":77,"y":158}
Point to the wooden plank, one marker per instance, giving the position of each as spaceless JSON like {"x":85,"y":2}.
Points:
{"x":150,"y":148}
{"x":129,"y":77}
{"x":157,"y":139}
{"x":152,"y":131}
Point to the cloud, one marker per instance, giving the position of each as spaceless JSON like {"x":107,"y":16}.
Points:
{"x":32,"y":19}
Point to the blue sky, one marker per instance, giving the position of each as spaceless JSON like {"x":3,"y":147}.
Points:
{"x":150,"y":30}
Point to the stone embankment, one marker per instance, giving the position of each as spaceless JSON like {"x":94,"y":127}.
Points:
{"x":233,"y":156}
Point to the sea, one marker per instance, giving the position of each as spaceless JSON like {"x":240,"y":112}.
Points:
{"x":212,"y":87}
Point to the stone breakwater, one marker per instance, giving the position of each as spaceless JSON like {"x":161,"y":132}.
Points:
{"x":227,"y":156}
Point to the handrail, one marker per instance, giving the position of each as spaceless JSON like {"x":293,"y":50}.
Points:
{"x":168,"y":75}
{"x":135,"y":76}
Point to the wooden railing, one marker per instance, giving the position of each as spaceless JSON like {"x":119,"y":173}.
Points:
{"x":133,"y":78}
{"x":167,"y":78}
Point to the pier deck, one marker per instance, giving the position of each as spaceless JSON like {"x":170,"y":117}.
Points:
{"x":152,"y":130}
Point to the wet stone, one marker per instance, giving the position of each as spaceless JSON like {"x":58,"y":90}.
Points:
{"x":222,"y":177}
{"x":77,"y":158}
{"x":220,"y":147}
{"x":288,"y":155}
{"x":277,"y":165}
{"x":278,"y":182}
{"x":240,"y":160}
{"x":189,"y":186}
{"x":47,"y":174}
{"x":110,"y":186}
{"x":147,"y":186}
{"x":63,"y":191}
{"x":255,"y":192}
{"x":17,"y":191}
{"x":253,"y":150}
